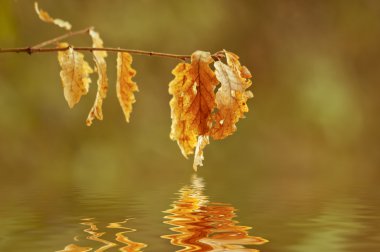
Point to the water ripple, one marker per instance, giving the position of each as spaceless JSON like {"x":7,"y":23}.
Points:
{"x":201,"y":225}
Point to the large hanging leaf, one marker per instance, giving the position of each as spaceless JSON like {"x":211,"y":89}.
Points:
{"x":101,"y":66}
{"x":125,"y":87}
{"x":180,"y":129}
{"x":192,"y":104}
{"x":201,"y":101}
{"x":74,"y":74}
{"x":231,"y":97}
{"x":44,"y":16}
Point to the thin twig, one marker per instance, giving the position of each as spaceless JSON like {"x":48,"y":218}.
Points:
{"x":31,"y":50}
{"x":64,"y":36}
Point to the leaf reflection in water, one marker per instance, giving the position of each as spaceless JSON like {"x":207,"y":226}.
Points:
{"x":201,"y":225}
{"x":95,"y":235}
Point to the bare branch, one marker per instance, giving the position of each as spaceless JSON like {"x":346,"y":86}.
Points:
{"x":31,"y":50}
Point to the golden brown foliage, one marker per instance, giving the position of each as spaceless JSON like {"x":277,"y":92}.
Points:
{"x":125,"y":86}
{"x":197,"y":112}
{"x":74,"y":74}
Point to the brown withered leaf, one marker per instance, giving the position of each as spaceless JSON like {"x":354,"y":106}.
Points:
{"x":125,"y":86}
{"x":44,"y":16}
{"x":198,"y":156}
{"x":178,"y":88}
{"x":74,"y":74}
{"x":231,"y":97}
{"x":201,"y":97}
{"x":101,"y":66}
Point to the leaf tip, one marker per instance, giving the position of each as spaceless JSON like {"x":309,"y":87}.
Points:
{"x":195,"y":168}
{"x":88,"y":122}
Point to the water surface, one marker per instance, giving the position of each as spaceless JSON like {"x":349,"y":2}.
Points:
{"x":191,"y":212}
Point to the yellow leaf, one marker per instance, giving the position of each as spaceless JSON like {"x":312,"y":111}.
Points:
{"x":180,"y":131}
{"x":201,"y":97}
{"x":96,"y":110}
{"x":101,"y":66}
{"x":231,"y":97}
{"x":125,"y":87}
{"x":44,"y":16}
{"x":198,"y":156}
{"x":74,"y":74}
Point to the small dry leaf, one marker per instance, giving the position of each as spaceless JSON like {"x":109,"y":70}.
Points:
{"x":74,"y":74}
{"x":178,"y":87}
{"x":101,"y":66}
{"x":125,"y":86}
{"x":231,"y":97}
{"x":44,"y":16}
{"x":198,"y":156}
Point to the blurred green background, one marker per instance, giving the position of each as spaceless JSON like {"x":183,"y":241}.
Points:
{"x":311,"y":134}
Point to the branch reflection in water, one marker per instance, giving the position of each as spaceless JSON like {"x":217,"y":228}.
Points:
{"x":201,"y":225}
{"x":95,"y":235}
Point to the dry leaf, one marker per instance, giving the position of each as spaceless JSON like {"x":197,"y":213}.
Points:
{"x":198,"y":156}
{"x":74,"y":74}
{"x":101,"y":66}
{"x":180,"y":131}
{"x":96,"y":110}
{"x":44,"y":16}
{"x":201,"y":94}
{"x":231,"y":97}
{"x":125,"y":87}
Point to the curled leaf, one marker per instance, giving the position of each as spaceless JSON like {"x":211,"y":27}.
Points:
{"x":96,"y":110}
{"x":180,"y":129}
{"x":231,"y":97}
{"x":125,"y":86}
{"x":101,"y":66}
{"x":44,"y":16}
{"x":74,"y":74}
